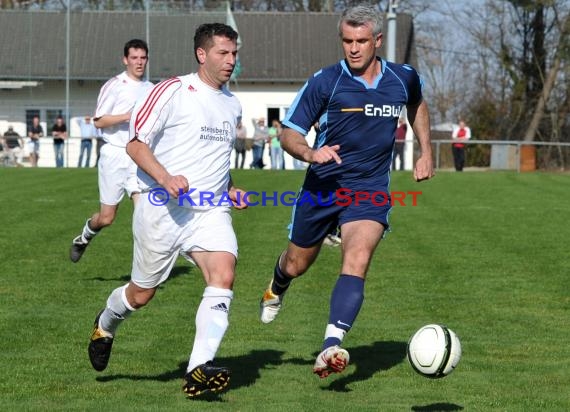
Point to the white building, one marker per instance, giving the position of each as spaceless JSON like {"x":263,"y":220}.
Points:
{"x":48,"y":70}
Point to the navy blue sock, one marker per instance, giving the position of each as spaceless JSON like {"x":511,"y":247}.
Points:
{"x":281,"y":281}
{"x":346,"y":300}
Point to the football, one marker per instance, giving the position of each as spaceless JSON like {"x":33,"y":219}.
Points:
{"x":434,"y":351}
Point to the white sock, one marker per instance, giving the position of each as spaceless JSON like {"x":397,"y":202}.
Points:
{"x":211,"y":325}
{"x":87,"y":234}
{"x":117,"y":310}
{"x":333,"y":332}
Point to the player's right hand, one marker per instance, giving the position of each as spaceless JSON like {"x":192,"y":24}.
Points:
{"x":174,"y":184}
{"x":325,"y":154}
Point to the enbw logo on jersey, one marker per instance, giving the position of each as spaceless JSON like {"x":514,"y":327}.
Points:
{"x":383,"y":111}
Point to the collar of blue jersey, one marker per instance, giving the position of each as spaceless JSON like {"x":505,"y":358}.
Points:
{"x":346,"y":69}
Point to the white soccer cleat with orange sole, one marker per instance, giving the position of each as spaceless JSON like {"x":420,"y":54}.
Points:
{"x":333,"y":359}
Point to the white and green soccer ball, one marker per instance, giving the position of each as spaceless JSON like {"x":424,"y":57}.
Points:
{"x":434,"y":351}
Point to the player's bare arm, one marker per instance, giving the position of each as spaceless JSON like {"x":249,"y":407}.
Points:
{"x":145,"y":159}
{"x":295,"y":144}
{"x":418,"y":117}
{"x":108,"y":120}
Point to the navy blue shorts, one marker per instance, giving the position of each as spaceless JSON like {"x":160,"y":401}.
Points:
{"x":316,"y":214}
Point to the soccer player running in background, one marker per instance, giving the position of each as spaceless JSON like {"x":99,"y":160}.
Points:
{"x":357,"y":103}
{"x":182,"y":136}
{"x":117,"y":171}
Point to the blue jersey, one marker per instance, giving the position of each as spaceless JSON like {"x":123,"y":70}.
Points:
{"x":359,"y":117}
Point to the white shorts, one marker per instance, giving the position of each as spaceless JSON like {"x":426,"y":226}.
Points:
{"x":117,"y":174}
{"x":161,"y":233}
{"x":18,"y":153}
{"x":34,"y":146}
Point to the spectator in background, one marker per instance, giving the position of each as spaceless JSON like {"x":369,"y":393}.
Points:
{"x":13,"y":145}
{"x":59,"y":134}
{"x":260,"y":136}
{"x":34,"y":133}
{"x":88,"y":132}
{"x":239,"y":145}
{"x":399,"y":144}
{"x":459,"y":133}
{"x":298,"y":164}
{"x":276,"y":152}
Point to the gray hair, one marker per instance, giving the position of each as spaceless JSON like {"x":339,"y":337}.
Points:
{"x":361,"y":15}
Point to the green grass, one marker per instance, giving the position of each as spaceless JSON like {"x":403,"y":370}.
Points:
{"x":484,"y":253}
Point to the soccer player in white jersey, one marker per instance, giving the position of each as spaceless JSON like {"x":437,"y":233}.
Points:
{"x":117,"y":171}
{"x":182,"y":136}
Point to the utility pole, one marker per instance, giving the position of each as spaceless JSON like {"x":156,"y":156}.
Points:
{"x":147,"y":29}
{"x":391,"y":57}
{"x":391,"y":18}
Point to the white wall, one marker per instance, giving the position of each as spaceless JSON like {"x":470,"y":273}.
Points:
{"x":256,"y":99}
{"x":255,"y":104}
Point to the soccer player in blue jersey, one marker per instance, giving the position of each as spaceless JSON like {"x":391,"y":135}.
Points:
{"x":357,"y":103}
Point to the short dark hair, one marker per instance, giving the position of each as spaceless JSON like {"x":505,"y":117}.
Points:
{"x":135,"y":44}
{"x":205,"y":32}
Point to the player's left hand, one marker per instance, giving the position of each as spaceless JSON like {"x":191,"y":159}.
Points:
{"x":325,"y":154}
{"x":239,"y":198}
{"x":424,"y":168}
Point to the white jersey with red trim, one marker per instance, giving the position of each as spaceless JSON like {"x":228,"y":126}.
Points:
{"x":190,"y":127}
{"x":118,"y":96}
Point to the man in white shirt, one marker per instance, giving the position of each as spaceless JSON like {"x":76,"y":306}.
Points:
{"x":88,"y":133}
{"x":182,"y":136}
{"x":117,"y":171}
{"x":460,"y":133}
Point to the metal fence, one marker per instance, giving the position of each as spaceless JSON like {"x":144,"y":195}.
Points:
{"x":516,"y":155}
{"x":492,"y":155}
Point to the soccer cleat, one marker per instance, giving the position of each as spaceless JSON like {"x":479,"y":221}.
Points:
{"x":332,"y":240}
{"x":333,"y":359}
{"x":204,"y":378}
{"x":270,"y":305}
{"x":78,"y":246}
{"x":99,"y":347}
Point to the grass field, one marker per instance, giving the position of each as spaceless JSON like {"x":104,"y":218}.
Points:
{"x":485,"y":253}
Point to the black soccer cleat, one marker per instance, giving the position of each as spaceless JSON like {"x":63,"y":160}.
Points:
{"x":78,"y":246}
{"x":100,"y":347}
{"x":204,"y":378}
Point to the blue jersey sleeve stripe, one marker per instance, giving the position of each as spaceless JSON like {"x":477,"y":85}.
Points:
{"x":293,"y":126}
{"x":287,"y":121}
{"x":401,"y":81}
{"x":321,"y":137}
{"x":323,"y":120}
{"x":322,"y":134}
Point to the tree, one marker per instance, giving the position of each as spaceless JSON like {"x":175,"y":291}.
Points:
{"x":527,"y":45}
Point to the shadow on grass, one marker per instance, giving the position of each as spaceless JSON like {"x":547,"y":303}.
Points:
{"x":368,"y":360}
{"x":176,"y":271}
{"x":246,"y":370}
{"x":441,"y":406}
